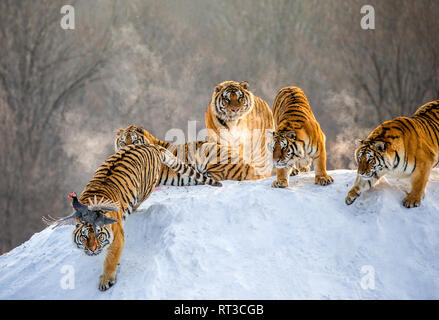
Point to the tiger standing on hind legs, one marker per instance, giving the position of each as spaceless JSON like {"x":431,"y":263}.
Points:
{"x":405,"y":147}
{"x":118,"y":187}
{"x":298,"y":140}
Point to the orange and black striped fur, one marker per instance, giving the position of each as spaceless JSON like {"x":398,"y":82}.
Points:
{"x":405,"y":147}
{"x":236,"y":117}
{"x":127,"y":178}
{"x":298,"y":140}
{"x":217,"y":161}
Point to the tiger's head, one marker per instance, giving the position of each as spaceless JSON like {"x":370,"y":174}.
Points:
{"x":286,"y":147}
{"x":92,"y":241}
{"x":130,"y":135}
{"x":232,"y":100}
{"x":375,"y":157}
{"x":93,"y":230}
{"x":381,"y":151}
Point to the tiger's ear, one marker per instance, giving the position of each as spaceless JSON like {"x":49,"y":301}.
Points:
{"x":244,"y":84}
{"x":218,"y":88}
{"x":120,"y":130}
{"x":380,"y":146}
{"x":292,"y":135}
{"x":358,"y":142}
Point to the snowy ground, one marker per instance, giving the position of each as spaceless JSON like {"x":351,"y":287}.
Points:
{"x":250,"y":241}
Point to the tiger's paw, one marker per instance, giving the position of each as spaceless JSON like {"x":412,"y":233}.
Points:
{"x":106,"y":282}
{"x":280,"y":184}
{"x":324,"y":180}
{"x":212,"y":181}
{"x":411,"y":201}
{"x":352,"y":196}
{"x":217,"y":184}
{"x":305,"y":169}
{"x":350,"y":199}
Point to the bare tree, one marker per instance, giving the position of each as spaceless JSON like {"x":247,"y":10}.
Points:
{"x":43,"y":67}
{"x":394,"y":67}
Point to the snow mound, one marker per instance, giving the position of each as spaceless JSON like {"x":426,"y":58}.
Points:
{"x":250,"y":241}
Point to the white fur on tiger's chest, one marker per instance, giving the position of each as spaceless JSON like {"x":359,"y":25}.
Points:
{"x":402,"y":170}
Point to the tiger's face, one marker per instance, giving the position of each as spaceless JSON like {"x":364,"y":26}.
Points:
{"x":92,"y":243}
{"x":374,"y":159}
{"x":232,"y":100}
{"x":286,"y":148}
{"x":128,"y":136}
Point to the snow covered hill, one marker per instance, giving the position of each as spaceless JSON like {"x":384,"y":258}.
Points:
{"x":250,"y":241}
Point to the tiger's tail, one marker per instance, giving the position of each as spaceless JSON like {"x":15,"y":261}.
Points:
{"x":182,"y":168}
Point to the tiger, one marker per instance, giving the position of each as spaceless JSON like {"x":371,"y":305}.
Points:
{"x":405,"y":147}
{"x":125,"y":180}
{"x":298,"y":141}
{"x":236,"y":117}
{"x":217,"y":161}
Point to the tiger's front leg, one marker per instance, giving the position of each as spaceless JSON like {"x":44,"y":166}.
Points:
{"x":322,"y":177}
{"x":359,"y":187}
{"x":282,"y":177}
{"x":108,"y":278}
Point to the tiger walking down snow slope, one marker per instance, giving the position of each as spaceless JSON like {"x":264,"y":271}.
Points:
{"x":118,"y":187}
{"x":405,"y":147}
{"x":298,"y":139}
